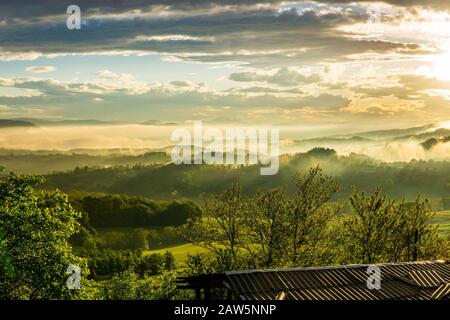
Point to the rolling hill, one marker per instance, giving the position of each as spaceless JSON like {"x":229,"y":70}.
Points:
{"x":6,"y":123}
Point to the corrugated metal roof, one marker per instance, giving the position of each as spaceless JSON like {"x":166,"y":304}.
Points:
{"x":442,"y":291}
{"x":412,"y":280}
{"x":426,"y":278}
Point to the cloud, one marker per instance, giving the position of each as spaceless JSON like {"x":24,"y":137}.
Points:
{"x":260,"y":90}
{"x":175,"y":101}
{"x":48,"y":8}
{"x":105,"y":82}
{"x":323,"y":102}
{"x":182,"y":83}
{"x":283,"y":77}
{"x":25,"y":9}
{"x":408,"y":86}
{"x":277,"y":50}
{"x":108,"y":81}
{"x":40,"y":69}
{"x":432,"y":4}
{"x":220,"y":34}
{"x":420,"y":82}
{"x":412,"y":96}
{"x":180,"y":100}
{"x":174,"y":37}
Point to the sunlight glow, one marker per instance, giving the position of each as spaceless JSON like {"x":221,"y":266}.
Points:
{"x":444,"y":125}
{"x":441,"y":66}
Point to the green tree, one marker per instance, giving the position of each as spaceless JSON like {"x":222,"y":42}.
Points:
{"x":267,"y":224}
{"x":418,"y":236}
{"x":369,"y":229}
{"x":35,"y":228}
{"x":382,"y":230}
{"x":221,"y":229}
{"x":6,"y":268}
{"x":138,"y":239}
{"x":168,"y":261}
{"x":123,"y":286}
{"x":269,"y":229}
{"x":128,"y":285}
{"x":309,"y":215}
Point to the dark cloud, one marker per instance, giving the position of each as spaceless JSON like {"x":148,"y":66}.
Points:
{"x":244,"y":36}
{"x":43,"y":8}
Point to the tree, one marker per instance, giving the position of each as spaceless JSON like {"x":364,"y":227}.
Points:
{"x":222,"y":226}
{"x":138,"y":239}
{"x":417,"y":234}
{"x":272,"y":230}
{"x":161,"y":287}
{"x":369,"y":228}
{"x":35,"y":228}
{"x":128,"y":286}
{"x":309,"y":215}
{"x":168,"y":261}
{"x":268,"y":229}
{"x":6,"y":267}
{"x":382,"y":230}
{"x":123,"y":286}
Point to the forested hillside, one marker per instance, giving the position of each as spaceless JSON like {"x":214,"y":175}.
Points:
{"x":431,"y":179}
{"x":44,"y":162}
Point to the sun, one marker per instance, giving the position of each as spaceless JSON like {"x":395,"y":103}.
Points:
{"x":441,"y":66}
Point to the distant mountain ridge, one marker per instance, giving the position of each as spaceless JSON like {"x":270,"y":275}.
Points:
{"x":86,"y":122}
{"x":392,"y":133}
{"x":67,"y":122}
{"x":432,"y":142}
{"x":158,"y":123}
{"x":427,"y":137}
{"x":4,"y":123}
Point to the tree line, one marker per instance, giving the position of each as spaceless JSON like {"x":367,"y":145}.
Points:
{"x":274,"y":230}
{"x":117,"y":210}
{"x":109,"y":262}
{"x":168,"y":182}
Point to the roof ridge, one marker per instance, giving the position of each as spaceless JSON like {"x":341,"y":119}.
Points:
{"x":350,"y":266}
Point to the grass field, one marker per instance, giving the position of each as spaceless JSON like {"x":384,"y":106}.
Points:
{"x":443,"y":219}
{"x":180,"y":252}
{"x":103,"y":231}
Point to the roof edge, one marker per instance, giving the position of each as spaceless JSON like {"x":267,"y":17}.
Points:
{"x":350,"y":266}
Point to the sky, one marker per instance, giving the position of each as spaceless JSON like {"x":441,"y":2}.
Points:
{"x":352,"y":64}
